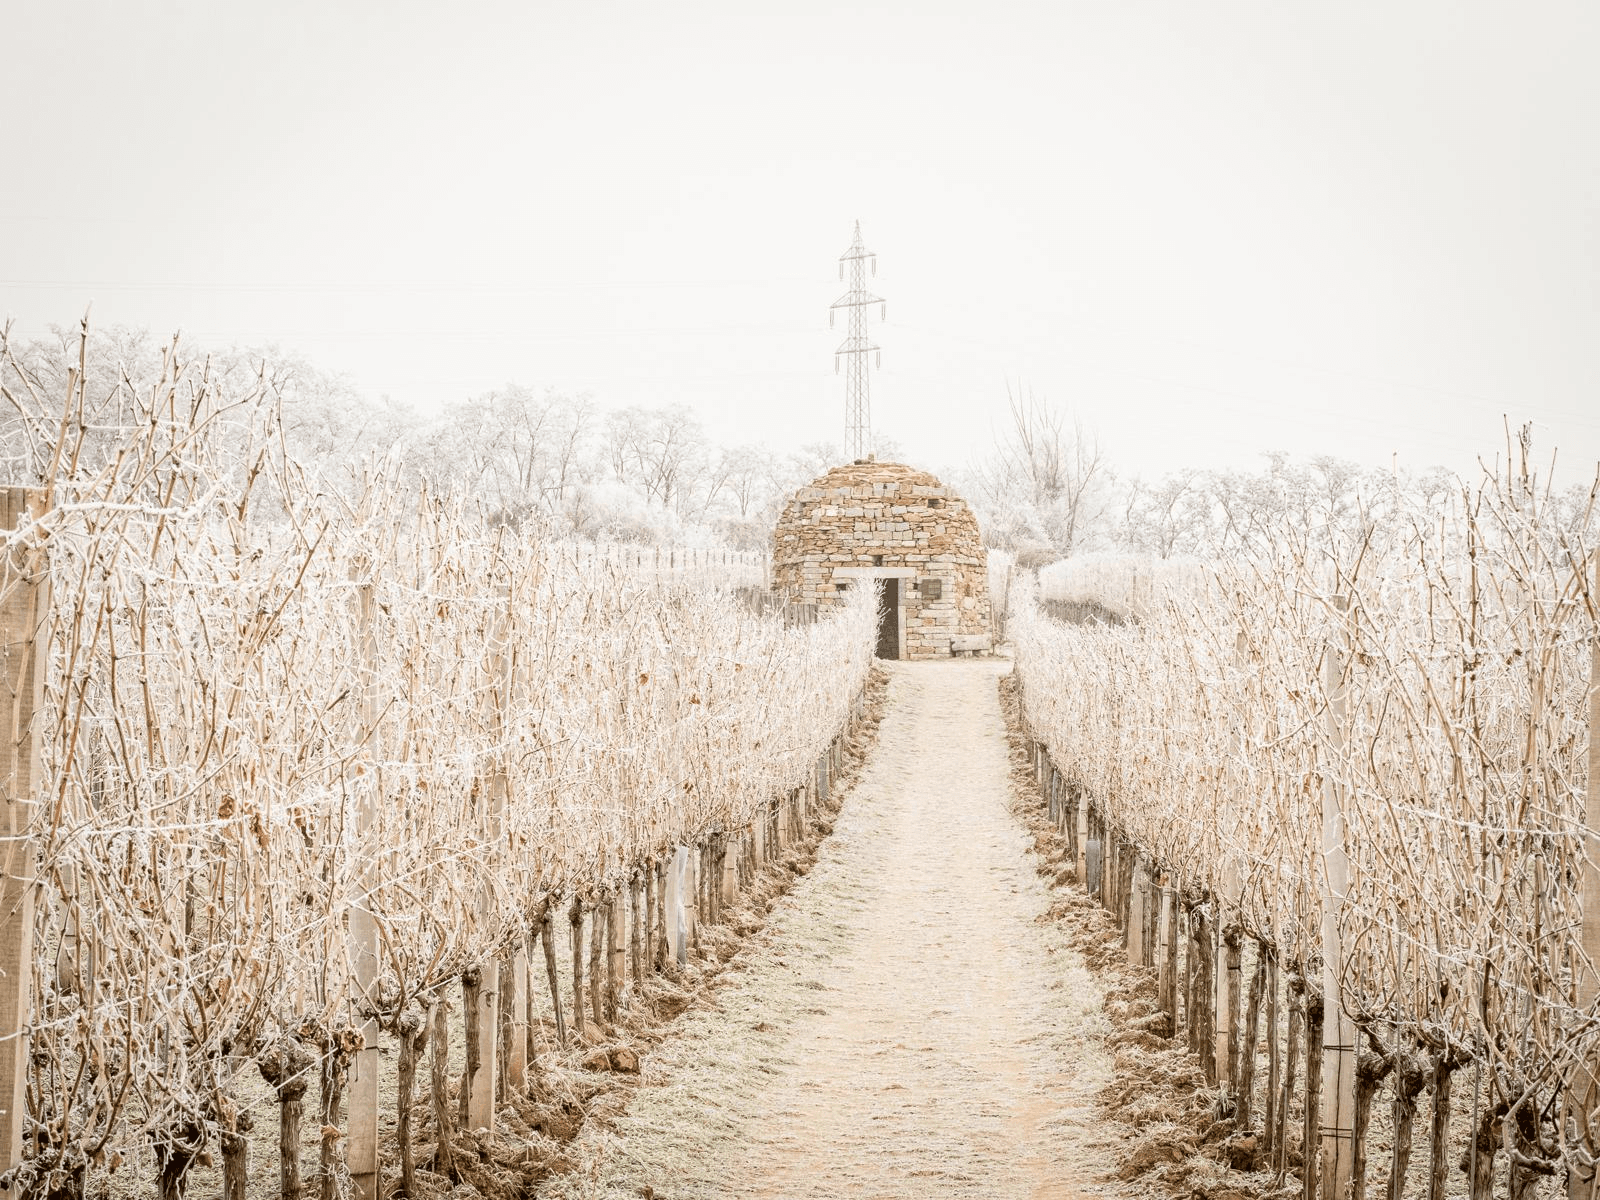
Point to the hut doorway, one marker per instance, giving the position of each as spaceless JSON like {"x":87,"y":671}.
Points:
{"x":889,"y":618}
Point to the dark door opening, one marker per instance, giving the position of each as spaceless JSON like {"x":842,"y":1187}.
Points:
{"x":889,"y":618}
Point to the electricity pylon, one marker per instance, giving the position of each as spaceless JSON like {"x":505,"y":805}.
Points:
{"x":857,"y":390}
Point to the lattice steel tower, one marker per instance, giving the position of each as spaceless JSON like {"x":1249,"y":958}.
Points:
{"x":856,"y":347}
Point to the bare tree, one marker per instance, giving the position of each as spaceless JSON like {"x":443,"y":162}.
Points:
{"x":745,"y":471}
{"x":1048,"y":475}
{"x":1171,"y":516}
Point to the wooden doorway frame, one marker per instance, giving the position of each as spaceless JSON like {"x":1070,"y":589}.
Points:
{"x":851,"y":574}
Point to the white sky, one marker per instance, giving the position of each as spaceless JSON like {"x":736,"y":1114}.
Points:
{"x":1210,"y":228}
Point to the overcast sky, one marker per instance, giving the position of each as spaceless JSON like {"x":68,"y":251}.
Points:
{"x":1209,"y":229}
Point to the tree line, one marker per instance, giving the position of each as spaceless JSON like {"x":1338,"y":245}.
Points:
{"x":1046,"y":489}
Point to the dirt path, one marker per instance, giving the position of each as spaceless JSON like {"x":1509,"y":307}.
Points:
{"x":906,"y":1025}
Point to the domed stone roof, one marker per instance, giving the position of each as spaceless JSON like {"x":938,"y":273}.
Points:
{"x":857,"y":474}
{"x":881,"y":520}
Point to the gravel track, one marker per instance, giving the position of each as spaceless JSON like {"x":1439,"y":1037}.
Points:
{"x":907,"y":1024}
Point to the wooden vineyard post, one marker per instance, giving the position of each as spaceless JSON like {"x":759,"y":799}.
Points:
{"x":575,"y":944}
{"x":361,"y":1152}
{"x":1225,"y":961}
{"x":1226,"y":968}
{"x":1152,"y":915}
{"x":639,"y":930}
{"x":617,"y":946}
{"x":689,"y":893}
{"x":1269,"y":1103}
{"x":495,"y":787}
{"x":517,"y":991}
{"x":1136,"y":914}
{"x":1583,"y":1091}
{"x":1338,"y":1082}
{"x":1167,"y":951}
{"x":1081,"y":839}
{"x":677,"y":872}
{"x":480,"y":1100}
{"x":655,"y":883}
{"x":24,"y":603}
{"x":1110,"y":867}
{"x":730,"y":873}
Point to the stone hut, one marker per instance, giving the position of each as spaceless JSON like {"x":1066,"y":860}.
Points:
{"x":899,"y":526}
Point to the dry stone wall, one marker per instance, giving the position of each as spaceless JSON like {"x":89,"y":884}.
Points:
{"x":870,"y":519}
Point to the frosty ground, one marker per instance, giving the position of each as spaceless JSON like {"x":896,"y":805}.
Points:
{"x":907,"y":1023}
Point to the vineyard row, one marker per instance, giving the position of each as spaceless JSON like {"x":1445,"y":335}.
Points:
{"x":1366,"y":769}
{"x":287,"y":765}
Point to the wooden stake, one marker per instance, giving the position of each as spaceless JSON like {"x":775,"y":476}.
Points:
{"x":1167,"y":952}
{"x":664,"y":946}
{"x":688,"y":902}
{"x":1094,"y":855}
{"x":1269,"y":1107}
{"x":710,"y":877}
{"x":1080,"y":837}
{"x":652,"y":947}
{"x":1108,"y":866}
{"x":730,"y":876}
{"x":1337,"y":1068}
{"x":1135,"y":938}
{"x":1583,"y":1091}
{"x":24,"y":603}
{"x":1247,"y":1048}
{"x":1188,"y":974}
{"x":502,"y":1039}
{"x":1152,"y":916}
{"x":517,"y":1003}
{"x":617,"y":945}
{"x":637,"y":956}
{"x":480,"y":1101}
{"x":361,"y":1152}
{"x":1204,"y":944}
{"x":597,"y":968}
